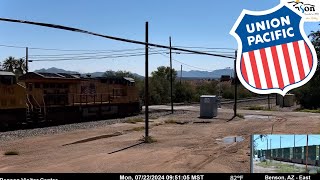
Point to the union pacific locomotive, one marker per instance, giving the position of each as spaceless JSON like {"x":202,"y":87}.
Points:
{"x":59,"y":98}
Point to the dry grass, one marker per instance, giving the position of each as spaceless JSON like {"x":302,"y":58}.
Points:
{"x":255,"y":108}
{"x":170,"y":121}
{"x":240,"y":116}
{"x":141,"y":128}
{"x":153,"y":117}
{"x":149,"y":139}
{"x":135,"y":120}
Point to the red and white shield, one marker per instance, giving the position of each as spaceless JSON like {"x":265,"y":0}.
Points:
{"x":274,"y":53}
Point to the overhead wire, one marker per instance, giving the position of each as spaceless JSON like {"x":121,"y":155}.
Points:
{"x":188,"y":65}
{"x":206,"y":48}
{"x":300,"y":139}
{"x":182,"y":62}
{"x":313,"y":136}
{"x":87,"y":58}
{"x":55,"y":26}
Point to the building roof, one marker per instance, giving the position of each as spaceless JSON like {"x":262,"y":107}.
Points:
{"x":6,"y":73}
{"x":31,"y":75}
{"x":129,"y":79}
{"x":36,"y":75}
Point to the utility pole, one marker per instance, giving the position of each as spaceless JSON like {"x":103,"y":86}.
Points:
{"x":181,"y":74}
{"x":171,"y":89}
{"x":235,"y":86}
{"x":251,"y":153}
{"x":27,"y":57}
{"x":307,"y":155}
{"x":267,"y":149}
{"x":294,"y":146}
{"x":269,"y":101}
{"x":270,"y":148}
{"x":280,"y":141}
{"x":146,"y":87}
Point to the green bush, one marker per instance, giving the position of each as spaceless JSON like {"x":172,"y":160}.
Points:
{"x":183,"y":92}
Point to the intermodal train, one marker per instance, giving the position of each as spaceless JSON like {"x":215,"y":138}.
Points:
{"x":60,"y":98}
{"x":293,"y":154}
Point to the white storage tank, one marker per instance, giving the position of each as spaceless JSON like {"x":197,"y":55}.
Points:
{"x":208,"y":106}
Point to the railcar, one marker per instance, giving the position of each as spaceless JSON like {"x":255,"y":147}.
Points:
{"x":59,"y":98}
{"x":313,"y":155}
{"x":296,"y":154}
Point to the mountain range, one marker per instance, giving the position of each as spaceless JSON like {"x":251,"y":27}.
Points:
{"x":185,"y":74}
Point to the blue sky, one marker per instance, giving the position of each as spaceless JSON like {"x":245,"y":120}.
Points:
{"x":204,"y":23}
{"x":287,"y":140}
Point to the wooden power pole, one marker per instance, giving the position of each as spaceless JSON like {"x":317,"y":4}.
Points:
{"x":146,"y":86}
{"x":27,"y":59}
{"x":171,"y":87}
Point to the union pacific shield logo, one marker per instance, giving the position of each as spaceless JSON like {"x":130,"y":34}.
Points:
{"x":274,"y":53}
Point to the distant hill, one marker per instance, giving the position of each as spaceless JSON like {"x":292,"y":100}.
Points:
{"x":56,"y":70}
{"x":205,"y":74}
{"x":185,"y":74}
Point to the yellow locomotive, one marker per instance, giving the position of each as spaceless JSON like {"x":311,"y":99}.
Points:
{"x":12,"y":100}
{"x":64,"y":98}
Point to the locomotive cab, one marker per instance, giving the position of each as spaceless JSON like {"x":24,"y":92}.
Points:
{"x":12,"y":100}
{"x":7,"y":78}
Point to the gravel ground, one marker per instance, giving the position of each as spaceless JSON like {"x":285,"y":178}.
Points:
{"x":19,"y":134}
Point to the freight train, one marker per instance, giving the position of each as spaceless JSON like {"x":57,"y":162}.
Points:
{"x":59,"y":98}
{"x":293,"y":154}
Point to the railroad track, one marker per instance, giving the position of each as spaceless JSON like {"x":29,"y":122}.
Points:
{"x":227,"y":101}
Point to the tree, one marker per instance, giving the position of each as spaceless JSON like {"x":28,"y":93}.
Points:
{"x":160,"y":85}
{"x":111,"y":73}
{"x":17,"y":66}
{"x":9,"y":64}
{"x":164,"y":73}
{"x":139,"y":82}
{"x":309,"y":95}
{"x":183,"y":92}
{"x":20,"y":67}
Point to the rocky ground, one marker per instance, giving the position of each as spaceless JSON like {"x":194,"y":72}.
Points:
{"x":183,"y":142}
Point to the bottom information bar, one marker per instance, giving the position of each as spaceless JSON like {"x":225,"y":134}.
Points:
{"x":161,"y":176}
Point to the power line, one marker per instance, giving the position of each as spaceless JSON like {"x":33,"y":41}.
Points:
{"x":87,"y":58}
{"x":189,"y":65}
{"x":204,"y":48}
{"x":55,"y":26}
{"x":300,"y":139}
{"x":76,"y":54}
{"x":80,"y":55}
{"x":55,"y":49}
{"x":76,"y":58}
{"x":197,"y":72}
{"x":314,"y":136}
{"x":93,"y":51}
{"x":182,"y":62}
{"x":10,"y":46}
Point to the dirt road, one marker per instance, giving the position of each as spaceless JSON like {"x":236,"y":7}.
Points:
{"x":192,"y":145}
